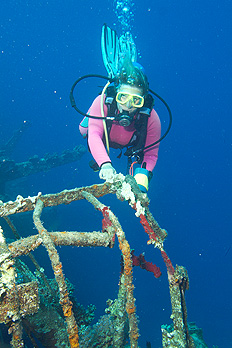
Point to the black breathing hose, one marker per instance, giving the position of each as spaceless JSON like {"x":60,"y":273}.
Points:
{"x":73,"y":104}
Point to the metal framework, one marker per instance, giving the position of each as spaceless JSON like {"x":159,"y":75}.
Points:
{"x":19,"y":301}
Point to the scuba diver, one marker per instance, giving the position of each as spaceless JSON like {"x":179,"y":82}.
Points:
{"x":123,"y":115}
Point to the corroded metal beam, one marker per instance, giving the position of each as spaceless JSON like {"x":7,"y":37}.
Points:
{"x":21,"y":205}
{"x":91,"y":239}
{"x":65,"y":302}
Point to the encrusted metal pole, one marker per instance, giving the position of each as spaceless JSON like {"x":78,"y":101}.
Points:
{"x":124,"y":246}
{"x":65,"y":302}
{"x":33,"y":260}
{"x":176,"y":338}
{"x":83,"y":239}
{"x":117,"y":309}
{"x":22,"y":204}
{"x":7,"y":285}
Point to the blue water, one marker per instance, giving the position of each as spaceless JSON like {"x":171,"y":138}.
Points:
{"x":185,"y":47}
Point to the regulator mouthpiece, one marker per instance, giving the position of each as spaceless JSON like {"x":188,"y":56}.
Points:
{"x":125,"y":118}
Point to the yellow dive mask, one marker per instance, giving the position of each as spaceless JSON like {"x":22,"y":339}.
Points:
{"x":136,"y":100}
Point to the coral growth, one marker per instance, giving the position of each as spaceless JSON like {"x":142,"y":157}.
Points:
{"x":142,"y":263}
{"x":59,"y":317}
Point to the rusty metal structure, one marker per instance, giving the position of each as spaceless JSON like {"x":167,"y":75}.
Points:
{"x":20,"y":303}
{"x":11,"y":170}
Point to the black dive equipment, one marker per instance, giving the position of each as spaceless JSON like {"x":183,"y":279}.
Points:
{"x":124,"y":117}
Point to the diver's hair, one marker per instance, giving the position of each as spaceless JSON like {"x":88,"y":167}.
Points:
{"x":132,"y":75}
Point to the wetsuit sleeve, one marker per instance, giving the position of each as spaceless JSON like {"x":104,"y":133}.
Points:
{"x":153,"y":134}
{"x":95,"y":133}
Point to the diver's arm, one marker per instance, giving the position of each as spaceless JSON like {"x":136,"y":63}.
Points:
{"x":95,"y":133}
{"x":153,"y":134}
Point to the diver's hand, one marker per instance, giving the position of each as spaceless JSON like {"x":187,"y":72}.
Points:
{"x":107,"y":172}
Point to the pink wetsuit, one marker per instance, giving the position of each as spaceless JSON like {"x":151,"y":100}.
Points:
{"x":120,"y":135}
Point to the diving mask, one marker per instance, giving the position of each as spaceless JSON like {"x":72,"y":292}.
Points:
{"x":135,"y":100}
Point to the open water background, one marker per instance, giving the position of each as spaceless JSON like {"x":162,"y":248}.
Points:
{"x":185,"y":47}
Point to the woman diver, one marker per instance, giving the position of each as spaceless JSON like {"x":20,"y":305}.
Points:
{"x":123,"y":115}
{"x":133,"y":124}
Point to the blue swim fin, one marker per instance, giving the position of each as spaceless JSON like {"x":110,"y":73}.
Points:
{"x":115,"y":50}
{"x":127,"y":47}
{"x":110,"y":50}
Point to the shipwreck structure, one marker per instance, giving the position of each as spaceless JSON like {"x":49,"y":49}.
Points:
{"x":11,"y":170}
{"x":63,"y":323}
